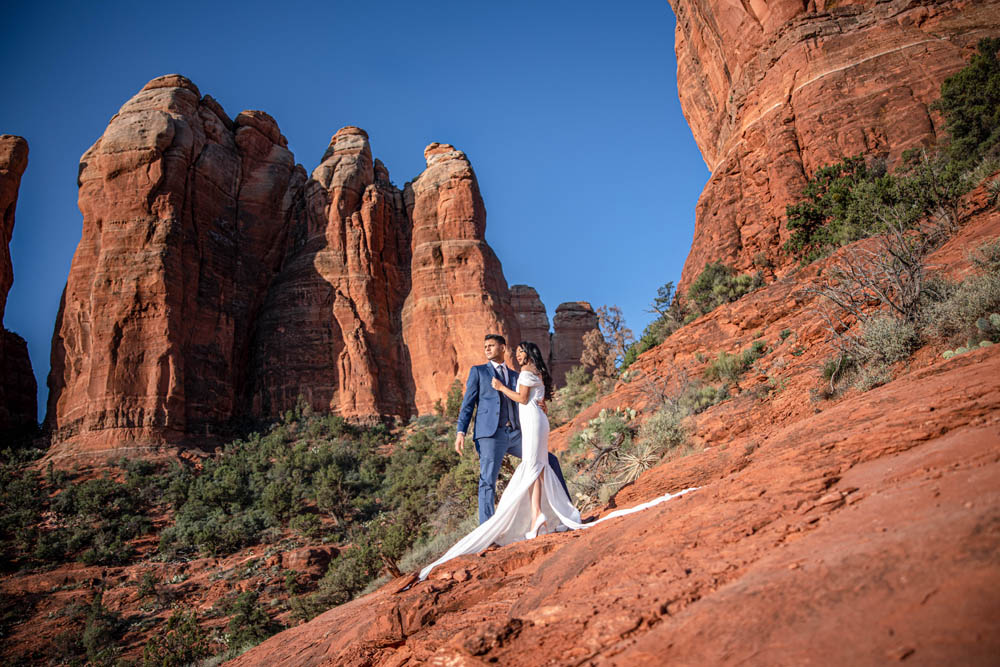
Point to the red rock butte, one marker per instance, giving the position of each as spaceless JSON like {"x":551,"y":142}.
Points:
{"x":773,"y":91}
{"x":18,"y":391}
{"x":216,"y":280}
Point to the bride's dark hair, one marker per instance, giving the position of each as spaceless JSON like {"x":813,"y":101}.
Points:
{"x":535,"y":357}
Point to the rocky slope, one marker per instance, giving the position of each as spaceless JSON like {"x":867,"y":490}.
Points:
{"x":216,"y":281}
{"x":772,"y":91}
{"x":18,"y":391}
{"x":873,"y":516}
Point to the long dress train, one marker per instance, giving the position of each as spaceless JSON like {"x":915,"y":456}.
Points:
{"x":512,"y":519}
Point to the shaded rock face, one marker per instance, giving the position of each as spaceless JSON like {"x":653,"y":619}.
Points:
{"x":330,"y":330}
{"x":774,"y":91}
{"x":18,"y":391}
{"x":531,"y":317}
{"x":185,"y":214}
{"x":458,"y":293}
{"x":216,"y":281}
{"x":572,"y":322}
{"x":13,"y":162}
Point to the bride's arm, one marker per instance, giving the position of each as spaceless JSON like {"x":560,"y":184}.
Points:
{"x":521,"y":396}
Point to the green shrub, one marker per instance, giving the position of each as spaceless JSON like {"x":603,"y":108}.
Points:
{"x":888,"y":339}
{"x":579,"y":393}
{"x":249,"y":624}
{"x":697,"y":397}
{"x":453,"y":403}
{"x":730,"y":367}
{"x":718,"y":284}
{"x":308,"y":525}
{"x":664,"y":429}
{"x":956,"y":315}
{"x":827,"y":215}
{"x":102,"y":629}
{"x":970,"y":104}
{"x":852,"y":199}
{"x":182,"y":642}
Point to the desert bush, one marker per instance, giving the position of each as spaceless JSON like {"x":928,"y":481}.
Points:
{"x":94,"y":521}
{"x":718,"y":284}
{"x":670,"y":312}
{"x":248,"y":624}
{"x":697,"y":397}
{"x":307,"y":525}
{"x":731,"y":367}
{"x":182,"y":642}
{"x":102,"y":629}
{"x":827,"y":216}
{"x":970,"y":104}
{"x":21,"y":505}
{"x":849,"y":200}
{"x":664,"y":429}
{"x":955,"y":316}
{"x":453,"y":404}
{"x":887,"y":340}
{"x":579,"y":392}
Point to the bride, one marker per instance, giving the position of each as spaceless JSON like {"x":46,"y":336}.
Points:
{"x":534,"y":501}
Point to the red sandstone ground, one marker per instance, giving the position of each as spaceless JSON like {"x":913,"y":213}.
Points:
{"x":857,"y":530}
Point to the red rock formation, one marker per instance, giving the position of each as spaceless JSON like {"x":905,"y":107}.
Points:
{"x":773,"y":91}
{"x":216,"y":281}
{"x":531,"y":317}
{"x":331,"y":329}
{"x":18,"y":391}
{"x":458,"y":292}
{"x":184,"y":218}
{"x":572,"y":322}
{"x":13,"y":162}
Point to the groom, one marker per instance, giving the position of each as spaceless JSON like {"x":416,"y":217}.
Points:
{"x":498,"y":430}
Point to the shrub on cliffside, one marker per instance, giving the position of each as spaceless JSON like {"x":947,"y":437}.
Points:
{"x":854,"y":198}
{"x":970,"y":104}
{"x":718,"y":284}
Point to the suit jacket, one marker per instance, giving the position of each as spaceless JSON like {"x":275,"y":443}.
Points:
{"x":479,"y":393}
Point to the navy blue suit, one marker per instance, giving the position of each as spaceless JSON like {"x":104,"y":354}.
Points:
{"x":498,"y":431}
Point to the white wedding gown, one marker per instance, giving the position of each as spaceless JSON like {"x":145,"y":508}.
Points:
{"x":512,"y":519}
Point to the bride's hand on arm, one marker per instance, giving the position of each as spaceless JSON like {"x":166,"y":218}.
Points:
{"x":520,"y":396}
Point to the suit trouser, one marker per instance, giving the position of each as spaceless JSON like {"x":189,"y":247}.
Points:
{"x":491,"y":452}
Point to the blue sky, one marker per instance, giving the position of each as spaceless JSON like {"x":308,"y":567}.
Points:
{"x":568,"y":112}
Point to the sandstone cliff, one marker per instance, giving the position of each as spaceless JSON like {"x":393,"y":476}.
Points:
{"x":18,"y":390}
{"x":184,"y":218}
{"x":330,"y":330}
{"x":772,"y":91}
{"x":458,"y":293}
{"x":531,"y":317}
{"x":571,"y":323}
{"x":216,"y":281}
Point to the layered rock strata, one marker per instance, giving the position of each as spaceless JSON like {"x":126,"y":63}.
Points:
{"x":458,"y":293}
{"x":330,"y":330}
{"x":573,"y":321}
{"x":531,"y":317}
{"x":216,"y":281}
{"x":772,"y":91}
{"x":185,"y":213}
{"x":18,"y":390}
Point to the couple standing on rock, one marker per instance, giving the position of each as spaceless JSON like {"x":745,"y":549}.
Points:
{"x":536,"y":497}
